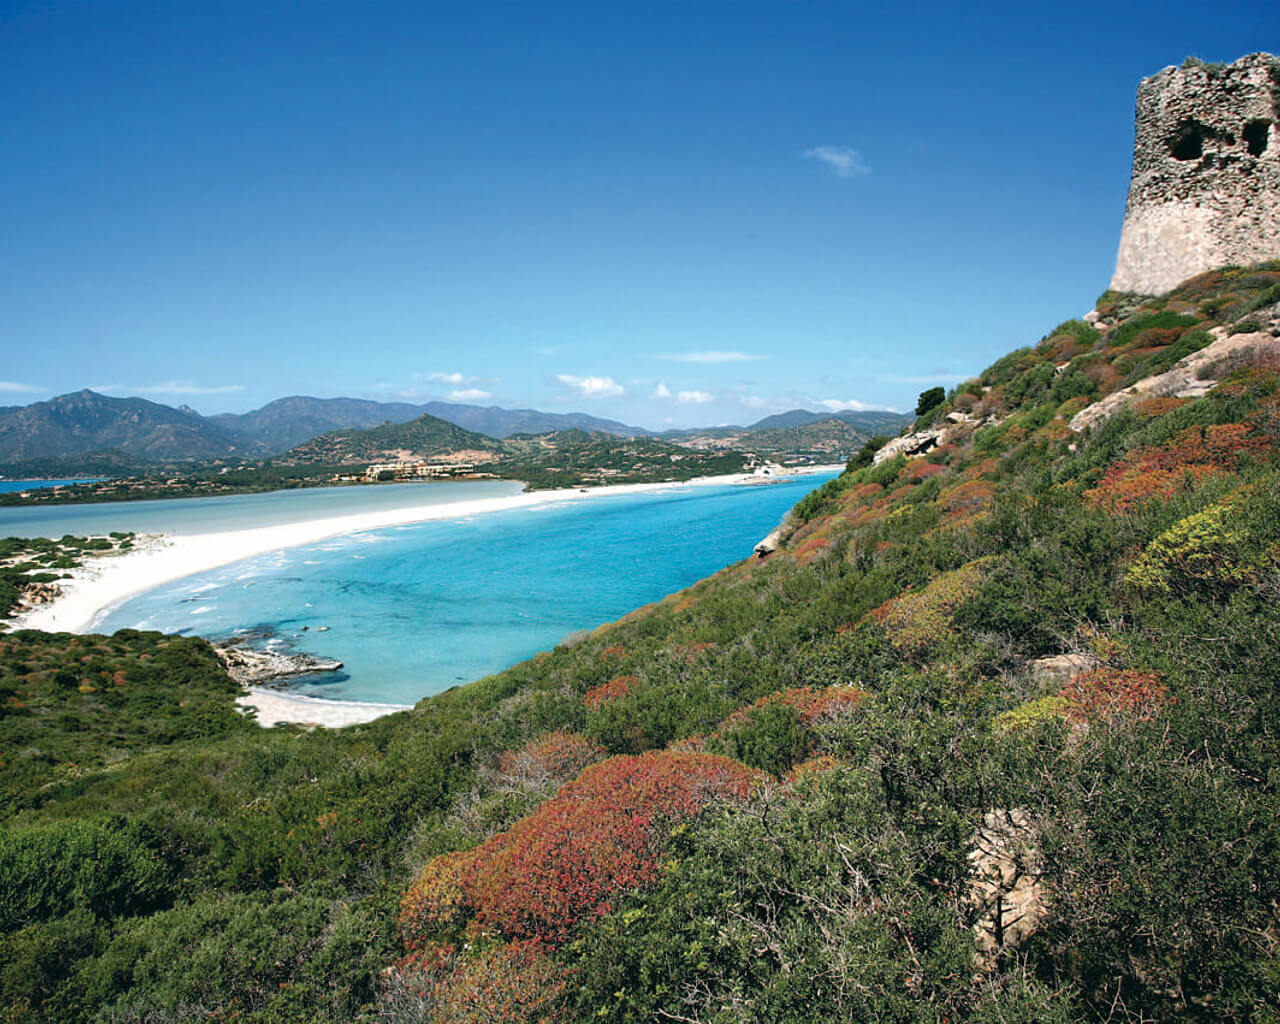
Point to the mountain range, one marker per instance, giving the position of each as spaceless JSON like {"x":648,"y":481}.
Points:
{"x":76,"y":432}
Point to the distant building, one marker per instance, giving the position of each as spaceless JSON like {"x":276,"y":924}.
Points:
{"x":384,"y":471}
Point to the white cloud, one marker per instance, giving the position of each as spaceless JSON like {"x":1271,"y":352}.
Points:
{"x":9,"y":385}
{"x":662,"y":391}
{"x":468,"y":394}
{"x":695,"y":397}
{"x":843,"y":161}
{"x":183,"y":387}
{"x":592,"y":387}
{"x":932,"y":378}
{"x":847,"y":404}
{"x":755,"y":402}
{"x":711,"y":357}
{"x":456,"y":379}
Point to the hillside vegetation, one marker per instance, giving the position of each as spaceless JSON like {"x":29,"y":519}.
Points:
{"x":992,"y":737}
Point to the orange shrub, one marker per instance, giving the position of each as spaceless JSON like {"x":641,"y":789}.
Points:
{"x":966,"y":500}
{"x":917,"y":620}
{"x":435,"y":902}
{"x":1157,"y":406}
{"x":1106,"y":692}
{"x":613,"y":651}
{"x":862,"y":492}
{"x":498,"y":984}
{"x":692,"y":651}
{"x":812,"y":704}
{"x":919,"y":470}
{"x":601,"y":835}
{"x":1158,"y":472}
{"x":810,"y":549}
{"x":811,"y":769}
{"x":554,"y":757}
{"x":604,"y":693}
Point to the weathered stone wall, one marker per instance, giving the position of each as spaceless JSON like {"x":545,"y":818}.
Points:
{"x":1205,"y":190}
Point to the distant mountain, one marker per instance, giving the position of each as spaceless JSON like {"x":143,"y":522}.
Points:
{"x":425,"y":437}
{"x":830,"y":439}
{"x":869,"y":421}
{"x":86,"y":421}
{"x":288,"y":422}
{"x":496,"y":422}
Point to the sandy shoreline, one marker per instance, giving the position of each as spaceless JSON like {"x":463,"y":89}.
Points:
{"x":276,"y":707}
{"x":103,"y":583}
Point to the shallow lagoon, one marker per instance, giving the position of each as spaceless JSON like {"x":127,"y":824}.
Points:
{"x":413,"y":610}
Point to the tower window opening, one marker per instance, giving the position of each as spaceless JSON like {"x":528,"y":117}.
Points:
{"x":1187,"y":142}
{"x":1255,"y":137}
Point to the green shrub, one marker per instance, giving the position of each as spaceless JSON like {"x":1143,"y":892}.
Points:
{"x":109,"y":867}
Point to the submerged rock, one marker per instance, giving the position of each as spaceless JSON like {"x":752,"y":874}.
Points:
{"x":248,"y":665}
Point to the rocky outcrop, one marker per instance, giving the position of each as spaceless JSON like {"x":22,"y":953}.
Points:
{"x":1058,"y":670}
{"x":250,"y":666}
{"x":1205,"y":189}
{"x":921,"y":442}
{"x":1185,"y":379}
{"x":1005,"y":887}
{"x":775,"y":538}
{"x":35,"y":595}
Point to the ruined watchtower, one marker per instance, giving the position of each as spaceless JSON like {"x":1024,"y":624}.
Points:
{"x":1205,"y":189}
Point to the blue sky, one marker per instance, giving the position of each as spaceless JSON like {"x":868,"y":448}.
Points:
{"x":671,"y":213}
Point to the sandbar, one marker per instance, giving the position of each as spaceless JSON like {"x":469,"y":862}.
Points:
{"x":103,"y":583}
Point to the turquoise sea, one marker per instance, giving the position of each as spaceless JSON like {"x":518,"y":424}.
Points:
{"x":29,"y":485}
{"x":413,"y":610}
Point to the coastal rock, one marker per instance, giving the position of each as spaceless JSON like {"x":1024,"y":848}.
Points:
{"x":776,"y":536}
{"x":1184,"y":380}
{"x":923,"y":441}
{"x":1005,"y":887}
{"x":1060,"y":669}
{"x":36,"y":594}
{"x":247,"y":665}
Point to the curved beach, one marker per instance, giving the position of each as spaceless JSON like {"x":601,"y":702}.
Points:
{"x":103,"y":583}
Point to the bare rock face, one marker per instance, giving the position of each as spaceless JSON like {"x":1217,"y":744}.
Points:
{"x":1005,"y":887}
{"x":248,"y":666}
{"x":1189,"y":377}
{"x":1060,"y":669}
{"x":1205,"y":190}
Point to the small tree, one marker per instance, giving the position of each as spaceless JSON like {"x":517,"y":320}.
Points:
{"x":929,"y":400}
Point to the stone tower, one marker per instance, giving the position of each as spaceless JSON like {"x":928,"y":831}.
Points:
{"x":1205,"y":190}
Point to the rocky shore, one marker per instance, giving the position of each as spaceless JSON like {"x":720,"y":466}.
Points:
{"x":249,"y":666}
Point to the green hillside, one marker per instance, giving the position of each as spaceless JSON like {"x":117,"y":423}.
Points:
{"x":423,"y":437}
{"x":570,"y":458}
{"x":992,"y":737}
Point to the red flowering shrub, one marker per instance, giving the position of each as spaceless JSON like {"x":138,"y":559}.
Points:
{"x":1106,"y":692}
{"x":554,"y":757}
{"x":966,"y":501}
{"x":601,"y":835}
{"x":613,"y":651}
{"x":1158,"y":472}
{"x":812,"y":768}
{"x":859,"y":494}
{"x":918,"y":620}
{"x":604,"y":693}
{"x":812,"y":704}
{"x":498,"y":984}
{"x":919,"y":470}
{"x":810,"y":549}
{"x":435,"y":903}
{"x":693,"y":651}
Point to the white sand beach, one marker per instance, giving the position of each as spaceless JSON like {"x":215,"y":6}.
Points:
{"x":276,"y":707}
{"x":103,"y":583}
